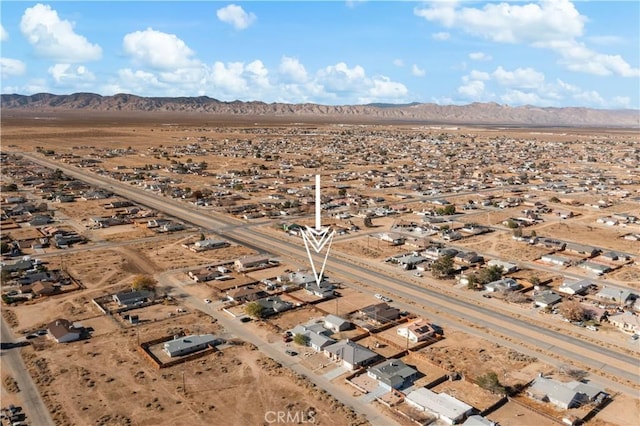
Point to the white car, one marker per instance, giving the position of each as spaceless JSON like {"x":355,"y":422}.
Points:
{"x":381,"y":297}
{"x":207,"y":300}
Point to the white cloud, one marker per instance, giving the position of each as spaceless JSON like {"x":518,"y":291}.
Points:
{"x":292,"y":70}
{"x":473,"y":89}
{"x":398,"y":62}
{"x":549,"y":24}
{"x":158,"y":50}
{"x":517,"y":97}
{"x":341,"y":78}
{"x":236,"y":16}
{"x":521,"y":78}
{"x":384,"y":88}
{"x":577,"y":57}
{"x":11,"y":67}
{"x":510,"y":23}
{"x":477,"y":75}
{"x":4,"y":35}
{"x":441,"y":36}
{"x":417,"y":71}
{"x":480,"y":56}
{"x":65,"y":74}
{"x":54,"y":38}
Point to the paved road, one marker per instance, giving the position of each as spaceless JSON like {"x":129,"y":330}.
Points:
{"x":32,"y":403}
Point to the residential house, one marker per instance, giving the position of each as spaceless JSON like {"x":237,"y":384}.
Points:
{"x":351,"y":354}
{"x":130,"y":298}
{"x":444,"y":406}
{"x":583,"y":249}
{"x":336,"y":324}
{"x":209,"y":244}
{"x":249,"y":262}
{"x":478,"y":420}
{"x":317,"y":335}
{"x":626,"y":321}
{"x":324,"y":289}
{"x":507,"y":267}
{"x":546,"y":298}
{"x":596,"y":268}
{"x":576,"y":287}
{"x":246,"y":294}
{"x":204,"y":275}
{"x":380,"y":313}
{"x":417,"y":331}
{"x":63,"y":331}
{"x":189,"y":344}
{"x":554,"y":259}
{"x":563,"y":395}
{"x":505,"y":284}
{"x":393,"y":238}
{"x":619,"y":296}
{"x":44,"y":288}
{"x":410,"y":261}
{"x":273,"y":304}
{"x":393,"y":374}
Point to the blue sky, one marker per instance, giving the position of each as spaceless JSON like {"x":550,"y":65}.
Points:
{"x":548,"y":53}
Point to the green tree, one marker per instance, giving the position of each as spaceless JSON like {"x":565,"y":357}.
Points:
{"x":490,"y":274}
{"x":254,"y":309}
{"x":443,"y":267}
{"x":143,"y":282}
{"x":490,"y":382}
{"x":301,"y":339}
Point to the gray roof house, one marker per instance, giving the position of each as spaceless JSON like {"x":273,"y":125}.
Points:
{"x":444,"y":406}
{"x":316,"y":334}
{"x":380,"y":313}
{"x":563,"y":395}
{"x":322,"y":290}
{"x":576,"y":287}
{"x":273,"y":304}
{"x":615,"y":295}
{"x":189,"y":344}
{"x":546,"y":298}
{"x":129,"y":298}
{"x":351,"y":354}
{"x":505,"y":284}
{"x":393,"y":374}
{"x":336,"y":324}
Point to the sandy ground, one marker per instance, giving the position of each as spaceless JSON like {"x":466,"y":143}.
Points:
{"x":107,"y":381}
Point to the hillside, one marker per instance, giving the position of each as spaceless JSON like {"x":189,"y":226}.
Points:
{"x":476,"y":113}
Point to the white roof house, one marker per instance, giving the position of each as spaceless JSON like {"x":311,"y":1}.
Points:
{"x":444,"y":406}
{"x":188,"y":344}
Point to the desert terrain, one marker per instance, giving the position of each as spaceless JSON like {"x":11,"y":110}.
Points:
{"x":254,"y":177}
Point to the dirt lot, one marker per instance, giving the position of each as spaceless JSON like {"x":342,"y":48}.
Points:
{"x":473,"y":357}
{"x":106,"y":381}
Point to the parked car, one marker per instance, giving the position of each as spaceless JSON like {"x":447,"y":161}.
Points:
{"x":290,"y":352}
{"x":207,"y":300}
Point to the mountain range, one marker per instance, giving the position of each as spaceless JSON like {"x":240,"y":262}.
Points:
{"x":475,"y":113}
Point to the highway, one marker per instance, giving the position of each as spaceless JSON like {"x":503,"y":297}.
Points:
{"x":487,"y":318}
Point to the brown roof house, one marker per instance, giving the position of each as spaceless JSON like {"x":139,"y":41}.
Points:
{"x":63,"y":331}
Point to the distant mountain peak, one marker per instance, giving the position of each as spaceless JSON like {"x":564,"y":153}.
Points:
{"x":476,"y":113}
